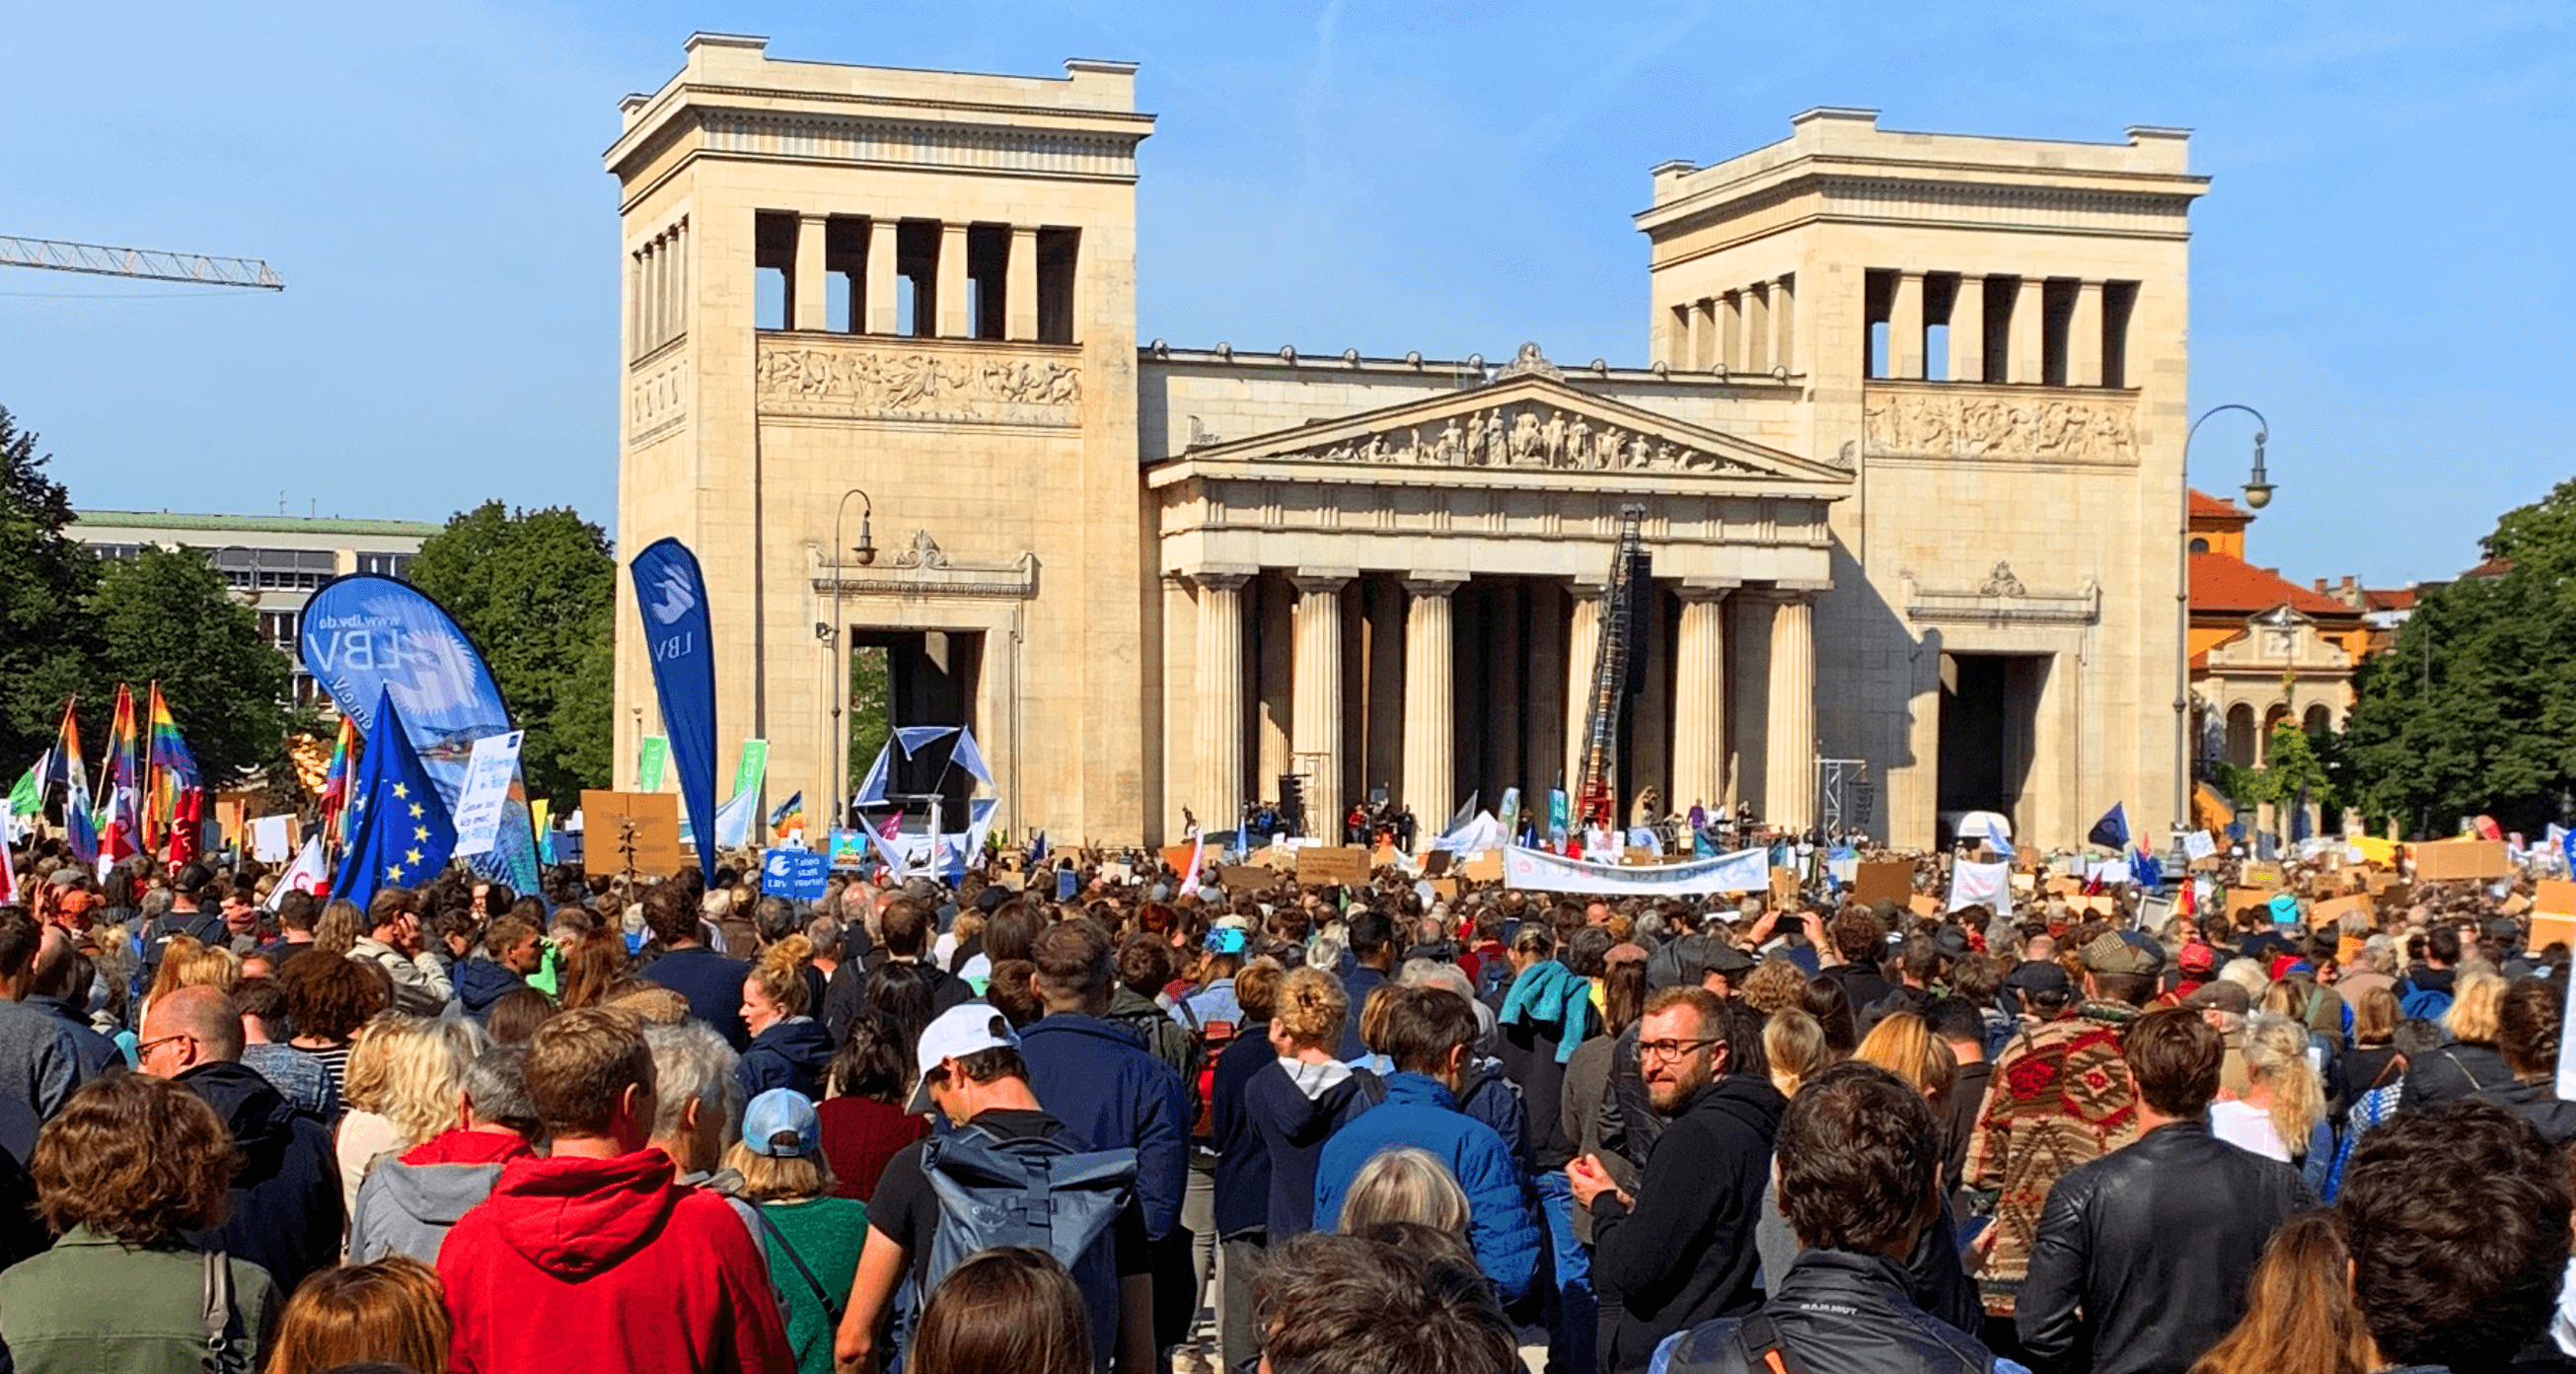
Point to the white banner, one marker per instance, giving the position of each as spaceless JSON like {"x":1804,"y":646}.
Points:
{"x":307,"y":873}
{"x":1746,"y":870}
{"x":1987,"y":885}
{"x":485,"y":792}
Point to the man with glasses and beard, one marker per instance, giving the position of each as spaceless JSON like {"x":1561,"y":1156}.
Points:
{"x":1680,"y":1250}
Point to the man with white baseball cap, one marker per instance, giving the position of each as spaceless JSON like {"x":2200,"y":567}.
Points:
{"x":970,"y":1072}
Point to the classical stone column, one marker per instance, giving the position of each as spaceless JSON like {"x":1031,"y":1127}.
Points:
{"x":1582,"y":650}
{"x":1275,"y":671}
{"x":1905,"y":328}
{"x":813,"y":301}
{"x":1790,"y":770}
{"x":1317,"y":721}
{"x":884,"y":310}
{"x":1784,"y":323}
{"x":1703,"y":356}
{"x":2029,"y":308}
{"x":2084,"y":336}
{"x":1757,"y":329}
{"x":1430,"y":700}
{"x":1699,"y":696}
{"x":1968,"y":331}
{"x":1020,"y":285}
{"x":1220,"y":791}
{"x":954,"y":321}
{"x":1730,"y":331}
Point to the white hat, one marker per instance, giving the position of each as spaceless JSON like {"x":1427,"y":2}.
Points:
{"x":959,"y":1031}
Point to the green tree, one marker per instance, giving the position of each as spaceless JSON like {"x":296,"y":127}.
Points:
{"x":167,"y":616}
{"x":48,"y":645}
{"x":537,"y":592}
{"x":2474,"y":709}
{"x":869,"y":723}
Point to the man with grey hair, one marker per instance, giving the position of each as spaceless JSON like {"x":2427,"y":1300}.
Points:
{"x":2373,"y":967}
{"x":407,"y":1204}
{"x":697,"y":1112}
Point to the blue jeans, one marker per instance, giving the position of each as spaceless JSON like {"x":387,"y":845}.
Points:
{"x":1575,"y":1327}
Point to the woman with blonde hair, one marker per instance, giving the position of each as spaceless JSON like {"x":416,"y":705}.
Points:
{"x":392,"y":1311}
{"x":812,"y":1237}
{"x":1295,"y":1102}
{"x":1794,"y":1044}
{"x":789,"y":1049}
{"x":2469,"y":1061}
{"x":405,"y":1082}
{"x":188,"y":963}
{"x":1903,"y":1044}
{"x":340,"y":928}
{"x":2283,"y":1110}
{"x":2299,"y":1317}
{"x":1405,"y":1184}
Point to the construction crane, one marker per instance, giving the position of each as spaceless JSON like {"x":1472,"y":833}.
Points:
{"x":1629,"y":584}
{"x":142,"y":263}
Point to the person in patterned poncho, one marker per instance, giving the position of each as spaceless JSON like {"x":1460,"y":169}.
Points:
{"x":2060,"y":1097}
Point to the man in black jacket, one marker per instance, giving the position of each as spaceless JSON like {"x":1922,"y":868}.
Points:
{"x":2142,"y":1256}
{"x":1860,"y":1178}
{"x":285,"y":1214}
{"x":1680,"y":1252}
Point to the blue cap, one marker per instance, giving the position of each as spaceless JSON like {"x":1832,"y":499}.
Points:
{"x":781,"y":1124}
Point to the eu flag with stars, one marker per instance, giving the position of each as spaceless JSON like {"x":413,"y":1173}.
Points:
{"x":399,"y":831}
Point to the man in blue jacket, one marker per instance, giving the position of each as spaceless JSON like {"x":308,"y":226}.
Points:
{"x":1428,"y":1034}
{"x":1097,"y":1077}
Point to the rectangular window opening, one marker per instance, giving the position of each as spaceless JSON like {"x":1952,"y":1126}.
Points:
{"x":988,"y":269}
{"x":2119,"y":305}
{"x":1059,"y":250}
{"x":845,"y":274}
{"x":1878,"y":307}
{"x":2001,"y":292}
{"x":2056,"y":314}
{"x":773,"y":298}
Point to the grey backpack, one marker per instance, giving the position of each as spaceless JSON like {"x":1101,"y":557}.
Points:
{"x":1038,"y":1193}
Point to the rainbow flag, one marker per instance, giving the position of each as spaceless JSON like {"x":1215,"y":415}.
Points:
{"x":172,"y":770}
{"x":121,"y":818}
{"x":336,"y":812}
{"x":788,"y":818}
{"x":79,"y":824}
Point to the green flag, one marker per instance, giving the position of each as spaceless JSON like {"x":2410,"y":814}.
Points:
{"x":27,"y":799}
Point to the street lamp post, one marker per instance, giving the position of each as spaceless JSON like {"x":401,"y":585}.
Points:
{"x":835,"y":637}
{"x":2258,"y":494}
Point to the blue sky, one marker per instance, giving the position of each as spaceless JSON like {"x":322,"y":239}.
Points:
{"x":2381,"y":265}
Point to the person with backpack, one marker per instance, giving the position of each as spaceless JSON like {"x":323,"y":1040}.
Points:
{"x":1007,"y":1163}
{"x":1860,"y":1170}
{"x":2426,"y":991}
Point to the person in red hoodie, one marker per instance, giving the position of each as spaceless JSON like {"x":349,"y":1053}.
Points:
{"x":595,"y":1258}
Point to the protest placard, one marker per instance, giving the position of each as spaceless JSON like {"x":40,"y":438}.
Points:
{"x":2457,"y":860}
{"x":1485,"y":866}
{"x":637,"y":828}
{"x":1246,"y":877}
{"x":1884,"y":880}
{"x":1330,"y":864}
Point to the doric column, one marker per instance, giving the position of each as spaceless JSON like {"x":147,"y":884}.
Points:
{"x":1730,"y":331}
{"x":1784,"y":323}
{"x":1220,"y":790}
{"x":1699,"y":696}
{"x":1430,"y":700}
{"x":1789,"y":771}
{"x":1905,"y":328}
{"x":2028,"y":324}
{"x":1582,"y":650}
{"x":2084,"y":336}
{"x":954,"y":322}
{"x":884,"y":310}
{"x":813,"y":303}
{"x":1757,"y":329}
{"x":1968,"y":330}
{"x":1703,"y":354}
{"x":1317,"y":719}
{"x":1020,"y":285}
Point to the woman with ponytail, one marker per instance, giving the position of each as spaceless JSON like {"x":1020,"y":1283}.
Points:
{"x":789,"y":1049}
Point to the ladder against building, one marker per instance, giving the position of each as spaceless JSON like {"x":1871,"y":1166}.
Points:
{"x":146,"y":264}
{"x":1596,"y":802}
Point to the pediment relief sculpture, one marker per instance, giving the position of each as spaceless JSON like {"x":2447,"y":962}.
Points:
{"x":1984,"y":424}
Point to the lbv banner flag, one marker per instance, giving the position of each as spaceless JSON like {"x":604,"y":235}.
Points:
{"x":671,"y":593}
{"x":400,"y":834}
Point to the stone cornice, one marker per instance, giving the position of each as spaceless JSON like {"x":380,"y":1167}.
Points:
{"x":2000,"y":599}
{"x":919,"y":569}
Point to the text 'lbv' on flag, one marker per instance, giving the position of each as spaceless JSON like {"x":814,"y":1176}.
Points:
{"x":400,"y":834}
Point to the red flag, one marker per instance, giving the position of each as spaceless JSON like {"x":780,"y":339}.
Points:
{"x":187,"y":824}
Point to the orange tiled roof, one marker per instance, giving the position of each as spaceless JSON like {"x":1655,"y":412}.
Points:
{"x":2225,"y":585}
{"x":2205,"y":506}
{"x":2393,"y":599}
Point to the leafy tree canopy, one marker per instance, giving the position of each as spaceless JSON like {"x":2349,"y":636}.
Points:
{"x":2474,"y":709}
{"x":537,"y":592}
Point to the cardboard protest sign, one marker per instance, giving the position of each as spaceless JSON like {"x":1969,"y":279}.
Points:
{"x":1483,"y":867}
{"x":2249,"y":898}
{"x":1177,"y":856}
{"x":2324,"y":915}
{"x":2455,"y":860}
{"x":1436,"y":863}
{"x":1784,"y":888}
{"x":1633,"y":855}
{"x":2263,"y":875}
{"x":1924,"y":904}
{"x":2554,"y":898}
{"x":637,"y":828}
{"x":1885,"y":880}
{"x":1446,"y":889}
{"x":2024,"y":884}
{"x":1329,"y":864}
{"x":1246,"y":877}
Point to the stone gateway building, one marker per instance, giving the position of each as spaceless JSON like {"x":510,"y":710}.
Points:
{"x":1907,"y":437}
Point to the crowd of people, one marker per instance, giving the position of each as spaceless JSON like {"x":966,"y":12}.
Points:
{"x":1155,"y":1125}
